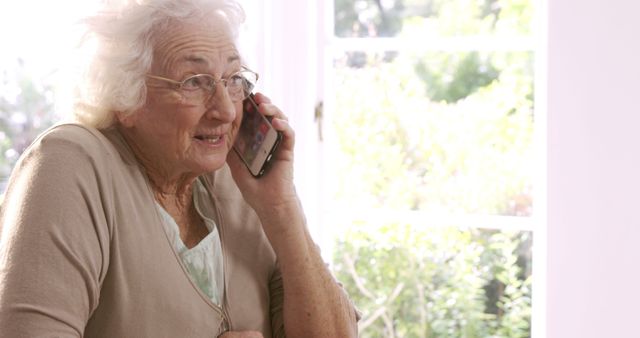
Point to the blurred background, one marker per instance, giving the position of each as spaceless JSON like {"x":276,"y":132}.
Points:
{"x":417,"y":138}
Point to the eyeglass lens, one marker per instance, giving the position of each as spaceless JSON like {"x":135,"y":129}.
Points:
{"x":201,"y":87}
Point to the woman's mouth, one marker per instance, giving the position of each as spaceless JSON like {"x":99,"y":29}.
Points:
{"x":213,"y":139}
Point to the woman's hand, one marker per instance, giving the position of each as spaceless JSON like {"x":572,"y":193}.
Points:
{"x":313,"y":303}
{"x":275,"y":188}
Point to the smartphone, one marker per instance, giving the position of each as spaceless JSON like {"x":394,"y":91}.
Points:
{"x":257,"y":140}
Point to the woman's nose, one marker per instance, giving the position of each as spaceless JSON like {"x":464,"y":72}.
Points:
{"x":220,"y":106}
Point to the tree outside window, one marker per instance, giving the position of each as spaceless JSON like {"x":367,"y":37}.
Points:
{"x":433,"y":160}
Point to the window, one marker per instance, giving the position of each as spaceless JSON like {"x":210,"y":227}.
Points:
{"x":429,"y":108}
{"x":34,"y":91}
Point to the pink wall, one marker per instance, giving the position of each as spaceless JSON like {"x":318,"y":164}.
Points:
{"x":593,"y":234}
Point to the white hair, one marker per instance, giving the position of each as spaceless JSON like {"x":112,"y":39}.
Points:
{"x":122,"y":37}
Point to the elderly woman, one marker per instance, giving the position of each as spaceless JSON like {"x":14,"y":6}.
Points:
{"x":138,"y":221}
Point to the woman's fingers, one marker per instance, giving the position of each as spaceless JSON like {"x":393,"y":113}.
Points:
{"x":285,"y":150}
{"x":267,"y":108}
{"x":272,"y":110}
{"x":261,"y":98}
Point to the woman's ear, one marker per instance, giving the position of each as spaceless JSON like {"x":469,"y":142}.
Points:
{"x":127,"y":120}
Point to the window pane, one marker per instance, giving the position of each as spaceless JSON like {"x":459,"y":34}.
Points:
{"x":412,"y":281}
{"x":442,"y":132}
{"x":26,"y":109}
{"x":423,"y":18}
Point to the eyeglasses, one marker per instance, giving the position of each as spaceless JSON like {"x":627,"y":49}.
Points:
{"x":200,"y":88}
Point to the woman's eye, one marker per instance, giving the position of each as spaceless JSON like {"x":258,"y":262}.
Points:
{"x":236,"y":80}
{"x":192,"y":83}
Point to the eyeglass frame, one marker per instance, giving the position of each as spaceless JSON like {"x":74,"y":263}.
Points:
{"x":180,"y":84}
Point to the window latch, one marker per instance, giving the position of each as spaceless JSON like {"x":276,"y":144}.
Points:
{"x":318,"y":115}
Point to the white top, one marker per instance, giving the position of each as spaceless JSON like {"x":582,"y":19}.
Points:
{"x":203,"y":261}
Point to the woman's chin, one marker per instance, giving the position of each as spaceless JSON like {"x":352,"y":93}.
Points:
{"x":213,"y":164}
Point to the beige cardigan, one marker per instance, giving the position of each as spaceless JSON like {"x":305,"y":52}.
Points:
{"x":83,"y":252}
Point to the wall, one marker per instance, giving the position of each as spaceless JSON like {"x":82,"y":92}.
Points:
{"x":593,"y":234}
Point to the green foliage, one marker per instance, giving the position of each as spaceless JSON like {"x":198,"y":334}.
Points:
{"x":412,"y":281}
{"x":454,"y":77}
{"x":26,"y":109}
{"x":515,"y":17}
{"x":409,"y":152}
{"x":514,"y":301}
{"x":463,"y":17}
{"x":367,"y":18}
{"x":444,"y":133}
{"x":384,"y":18}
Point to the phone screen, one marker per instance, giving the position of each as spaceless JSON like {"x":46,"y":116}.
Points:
{"x":256,"y":140}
